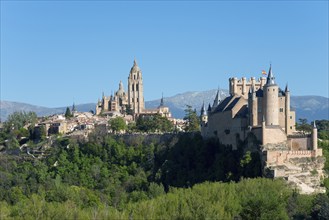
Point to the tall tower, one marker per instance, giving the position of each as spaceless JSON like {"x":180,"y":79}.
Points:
{"x":271,"y":93}
{"x":315,"y":137}
{"x":287,"y":110}
{"x":135,"y":89}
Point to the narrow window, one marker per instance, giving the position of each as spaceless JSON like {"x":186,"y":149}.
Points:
{"x":290,"y":117}
{"x":281,"y":109}
{"x":137,"y":99}
{"x":132,"y":87}
{"x":134,"y":76}
{"x":290,"y":127}
{"x":137,"y":87}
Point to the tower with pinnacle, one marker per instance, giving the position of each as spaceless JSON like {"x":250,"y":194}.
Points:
{"x":135,"y":89}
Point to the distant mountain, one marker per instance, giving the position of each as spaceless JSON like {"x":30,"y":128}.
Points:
{"x":309,"y":107}
{"x":7,"y":108}
{"x":178,"y":103}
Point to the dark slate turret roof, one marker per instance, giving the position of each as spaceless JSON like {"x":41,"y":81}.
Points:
{"x":209,"y":108}
{"x":270,"y":77}
{"x":203,"y":110}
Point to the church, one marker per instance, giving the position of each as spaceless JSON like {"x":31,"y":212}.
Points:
{"x":122,"y":103}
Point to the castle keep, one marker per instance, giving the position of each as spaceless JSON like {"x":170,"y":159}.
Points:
{"x":259,"y":112}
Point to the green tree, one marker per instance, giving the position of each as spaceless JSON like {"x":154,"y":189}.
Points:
{"x":192,"y":119}
{"x":129,"y":111}
{"x":117,"y":124}
{"x":18,"y":120}
{"x":68,"y":113}
{"x":303,"y":126}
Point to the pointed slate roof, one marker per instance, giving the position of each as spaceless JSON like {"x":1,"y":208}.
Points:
{"x":270,"y":77}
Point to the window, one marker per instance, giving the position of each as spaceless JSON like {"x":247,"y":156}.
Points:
{"x":290,"y":127}
{"x":134,"y":76}
{"x":290,"y":117}
{"x":132,"y":87}
{"x":281,"y":109}
{"x":132,"y":99}
{"x":273,"y":90}
{"x":137,"y":99}
{"x":137,"y":87}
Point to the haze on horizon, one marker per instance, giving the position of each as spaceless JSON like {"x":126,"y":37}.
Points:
{"x":56,"y":53}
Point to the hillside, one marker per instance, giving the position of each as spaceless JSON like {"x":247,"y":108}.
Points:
{"x":309,"y":107}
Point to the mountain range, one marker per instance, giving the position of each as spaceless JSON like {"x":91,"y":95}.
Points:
{"x":309,"y":107}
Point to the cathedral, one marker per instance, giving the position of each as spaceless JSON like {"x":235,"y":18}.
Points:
{"x":122,"y":103}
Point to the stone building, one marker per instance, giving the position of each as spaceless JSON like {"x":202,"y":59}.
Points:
{"x":258,"y":111}
{"x":114,"y":104}
{"x":120,"y":102}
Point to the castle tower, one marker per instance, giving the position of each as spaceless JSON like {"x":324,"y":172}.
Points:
{"x":216,"y":101}
{"x":315,"y":137}
{"x":287,"y":110}
{"x":253,"y":111}
{"x":271,"y":92}
{"x":203,"y":115}
{"x":135,"y":89}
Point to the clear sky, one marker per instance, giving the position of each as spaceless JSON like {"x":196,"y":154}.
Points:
{"x":57,"y":52}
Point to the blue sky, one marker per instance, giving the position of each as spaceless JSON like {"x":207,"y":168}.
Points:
{"x":54,"y":53}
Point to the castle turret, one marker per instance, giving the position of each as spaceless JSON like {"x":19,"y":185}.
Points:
{"x":253,"y":110}
{"x":287,"y":110}
{"x":216,"y":101}
{"x":271,"y":91}
{"x":135,"y":89}
{"x":315,"y":137}
{"x":203,"y":115}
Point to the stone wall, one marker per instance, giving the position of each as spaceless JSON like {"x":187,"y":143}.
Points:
{"x":279,"y":157}
{"x":300,"y":143}
{"x":273,"y":134}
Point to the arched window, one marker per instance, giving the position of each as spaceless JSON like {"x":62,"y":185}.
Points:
{"x":137,"y":87}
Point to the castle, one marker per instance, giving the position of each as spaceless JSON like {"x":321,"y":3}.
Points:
{"x":258,"y":111}
{"x":122,"y":103}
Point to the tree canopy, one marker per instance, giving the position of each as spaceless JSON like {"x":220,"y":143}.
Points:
{"x":192,"y":119}
{"x":117,"y":124}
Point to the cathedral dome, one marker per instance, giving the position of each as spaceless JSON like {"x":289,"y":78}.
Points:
{"x":121,"y":91}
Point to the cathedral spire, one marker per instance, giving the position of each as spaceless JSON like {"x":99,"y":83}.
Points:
{"x":161,"y":102}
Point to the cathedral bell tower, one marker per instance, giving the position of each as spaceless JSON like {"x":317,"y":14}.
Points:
{"x":135,"y":89}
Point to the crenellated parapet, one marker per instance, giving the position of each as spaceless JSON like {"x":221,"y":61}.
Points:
{"x":242,"y":86}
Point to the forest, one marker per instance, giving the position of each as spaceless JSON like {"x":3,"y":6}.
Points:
{"x":180,"y":177}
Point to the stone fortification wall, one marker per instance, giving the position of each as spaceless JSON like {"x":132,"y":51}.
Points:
{"x":273,"y":134}
{"x":279,"y":157}
{"x":299,"y":143}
